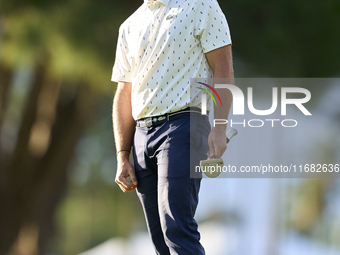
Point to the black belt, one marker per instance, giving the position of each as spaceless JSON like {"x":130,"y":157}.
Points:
{"x":159,"y":119}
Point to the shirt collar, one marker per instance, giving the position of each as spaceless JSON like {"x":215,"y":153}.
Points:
{"x":151,"y":3}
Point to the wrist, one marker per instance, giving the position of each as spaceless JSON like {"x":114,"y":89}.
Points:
{"x":220,"y":128}
{"x":123,"y":155}
{"x":121,"y":151}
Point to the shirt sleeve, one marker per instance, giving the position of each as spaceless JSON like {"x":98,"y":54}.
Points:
{"x":211,"y":25}
{"x":122,"y":68}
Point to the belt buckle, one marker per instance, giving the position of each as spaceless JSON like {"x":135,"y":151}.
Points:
{"x":148,"y":122}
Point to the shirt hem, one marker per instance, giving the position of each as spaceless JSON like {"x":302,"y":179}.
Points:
{"x":217,"y":46}
{"x":120,"y":79}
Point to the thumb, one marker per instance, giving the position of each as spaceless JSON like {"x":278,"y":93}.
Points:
{"x":211,"y":151}
{"x":133,"y":177}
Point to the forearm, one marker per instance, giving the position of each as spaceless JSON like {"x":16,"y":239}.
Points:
{"x":221,"y":63}
{"x":223,"y":73}
{"x":123,"y":122}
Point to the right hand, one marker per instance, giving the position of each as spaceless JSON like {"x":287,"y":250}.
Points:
{"x":124,"y":170}
{"x":217,"y":143}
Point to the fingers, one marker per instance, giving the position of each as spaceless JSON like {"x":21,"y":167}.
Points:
{"x":123,"y":173}
{"x":211,"y":153}
{"x":217,"y":145}
{"x":133,"y":178}
{"x":216,"y":151}
{"x":219,"y":150}
{"x":124,"y":184}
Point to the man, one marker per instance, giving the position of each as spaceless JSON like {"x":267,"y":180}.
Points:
{"x":161,"y":48}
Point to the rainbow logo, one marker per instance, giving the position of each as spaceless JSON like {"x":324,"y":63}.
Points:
{"x":209,"y":93}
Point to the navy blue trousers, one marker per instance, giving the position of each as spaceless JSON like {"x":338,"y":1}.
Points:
{"x":164,"y":155}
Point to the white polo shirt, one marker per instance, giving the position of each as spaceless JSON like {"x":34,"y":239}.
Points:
{"x":161,"y":47}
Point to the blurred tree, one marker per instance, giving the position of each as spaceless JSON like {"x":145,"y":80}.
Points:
{"x":66,"y":44}
{"x":33,"y":174}
{"x":5,"y":78}
{"x":292,"y":38}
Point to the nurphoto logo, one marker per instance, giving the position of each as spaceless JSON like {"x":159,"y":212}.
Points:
{"x":239,"y":104}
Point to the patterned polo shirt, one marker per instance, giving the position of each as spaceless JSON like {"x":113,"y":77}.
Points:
{"x":161,"y":48}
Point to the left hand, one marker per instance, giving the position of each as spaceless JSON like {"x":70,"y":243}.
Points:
{"x":217,"y":143}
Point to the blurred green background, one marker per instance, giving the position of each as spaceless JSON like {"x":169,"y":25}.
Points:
{"x":57,"y":154}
